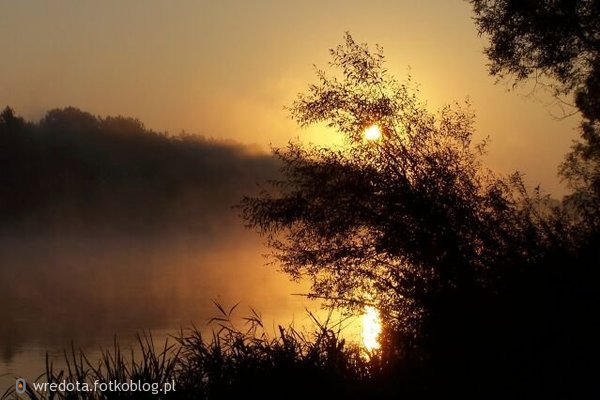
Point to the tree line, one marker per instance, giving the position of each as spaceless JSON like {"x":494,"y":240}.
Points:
{"x":76,"y":171}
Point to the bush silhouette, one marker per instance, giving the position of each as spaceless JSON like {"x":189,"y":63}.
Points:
{"x":466,"y":266}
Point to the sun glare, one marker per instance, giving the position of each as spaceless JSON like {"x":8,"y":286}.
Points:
{"x":373,"y":132}
{"x":371,"y":328}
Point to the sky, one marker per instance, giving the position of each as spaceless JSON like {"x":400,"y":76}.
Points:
{"x":226,"y":69}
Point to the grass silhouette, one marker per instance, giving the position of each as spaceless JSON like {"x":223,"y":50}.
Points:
{"x":231,"y":362}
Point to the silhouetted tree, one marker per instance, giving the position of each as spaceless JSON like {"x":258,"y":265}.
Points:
{"x":9,"y":122}
{"x":581,"y":169}
{"x":558,"y":40}
{"x":411,"y":222}
{"x":536,"y":38}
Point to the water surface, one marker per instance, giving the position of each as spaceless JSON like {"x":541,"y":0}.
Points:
{"x":82,"y":290}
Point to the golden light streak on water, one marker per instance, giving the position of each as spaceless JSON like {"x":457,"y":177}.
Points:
{"x":371,"y":328}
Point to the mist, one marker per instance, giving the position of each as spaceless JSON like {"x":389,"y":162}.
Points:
{"x":73,"y":171}
{"x":108,"y":228}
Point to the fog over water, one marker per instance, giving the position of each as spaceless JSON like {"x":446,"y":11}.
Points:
{"x":108,"y":228}
{"x":88,"y":289}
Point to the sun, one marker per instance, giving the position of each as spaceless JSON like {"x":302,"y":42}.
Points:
{"x":371,"y":328}
{"x":373,"y":132}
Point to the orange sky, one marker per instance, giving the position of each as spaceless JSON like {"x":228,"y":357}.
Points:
{"x":226,"y":69}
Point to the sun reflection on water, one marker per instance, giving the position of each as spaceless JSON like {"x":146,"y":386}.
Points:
{"x":371,"y":328}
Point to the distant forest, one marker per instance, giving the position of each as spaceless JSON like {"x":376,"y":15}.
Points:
{"x":75,"y":171}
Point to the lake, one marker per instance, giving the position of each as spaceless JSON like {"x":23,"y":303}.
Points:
{"x":85,"y":289}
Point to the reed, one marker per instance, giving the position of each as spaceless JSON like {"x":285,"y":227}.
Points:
{"x":231,"y":362}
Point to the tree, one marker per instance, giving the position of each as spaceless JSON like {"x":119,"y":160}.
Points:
{"x":8,"y":120}
{"x":410,"y":223}
{"x":581,"y":169}
{"x":545,"y":38}
{"x":559,"y":40}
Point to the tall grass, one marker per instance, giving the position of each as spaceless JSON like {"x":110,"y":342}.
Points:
{"x":232,"y":362}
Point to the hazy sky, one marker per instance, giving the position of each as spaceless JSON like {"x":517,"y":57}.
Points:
{"x":226,"y":68}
